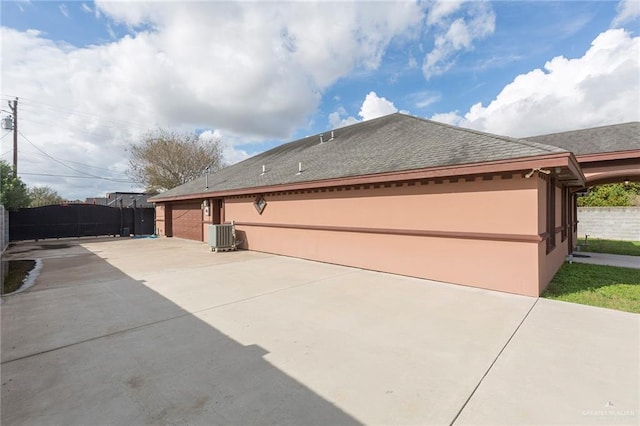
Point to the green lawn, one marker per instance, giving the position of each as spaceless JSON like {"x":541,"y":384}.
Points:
{"x":630,"y":248}
{"x":596,"y":285}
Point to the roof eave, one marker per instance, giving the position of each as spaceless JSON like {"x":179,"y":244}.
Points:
{"x":608,"y":156}
{"x":561,"y":159}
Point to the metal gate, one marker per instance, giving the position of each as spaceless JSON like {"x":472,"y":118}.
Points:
{"x":78,"y":220}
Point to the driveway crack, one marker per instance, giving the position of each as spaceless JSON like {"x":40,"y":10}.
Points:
{"x":493,"y":363}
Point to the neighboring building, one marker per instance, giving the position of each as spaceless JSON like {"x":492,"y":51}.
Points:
{"x":408,"y":196}
{"x":100,"y":201}
{"x":128,"y":199}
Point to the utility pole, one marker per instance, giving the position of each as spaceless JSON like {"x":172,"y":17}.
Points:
{"x":14,"y":110}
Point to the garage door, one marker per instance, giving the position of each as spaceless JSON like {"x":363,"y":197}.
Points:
{"x":186,"y":221}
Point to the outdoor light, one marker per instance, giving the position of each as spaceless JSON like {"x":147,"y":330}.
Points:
{"x":539,"y":170}
{"x":626,"y":181}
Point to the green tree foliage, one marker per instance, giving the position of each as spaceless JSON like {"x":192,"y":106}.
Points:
{"x":164,"y":159}
{"x":13,"y":192}
{"x":611,"y":195}
{"x":43,"y":196}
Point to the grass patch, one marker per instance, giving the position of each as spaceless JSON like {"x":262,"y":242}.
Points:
{"x":610,"y":287}
{"x":629,"y":248}
{"x":16,"y":272}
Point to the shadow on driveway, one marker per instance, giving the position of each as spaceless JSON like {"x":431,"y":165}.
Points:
{"x":100,"y":347}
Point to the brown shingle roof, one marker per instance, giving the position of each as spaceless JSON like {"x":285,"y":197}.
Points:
{"x":597,"y":140}
{"x":395,"y":142}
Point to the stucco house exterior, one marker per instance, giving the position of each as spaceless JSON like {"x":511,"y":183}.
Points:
{"x":409,"y":196}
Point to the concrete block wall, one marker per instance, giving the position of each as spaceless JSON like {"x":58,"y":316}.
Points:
{"x":613,"y":223}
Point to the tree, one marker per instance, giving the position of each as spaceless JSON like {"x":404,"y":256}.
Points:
{"x":611,"y":195}
{"x":164,"y":159}
{"x":13,"y":192}
{"x":43,"y":195}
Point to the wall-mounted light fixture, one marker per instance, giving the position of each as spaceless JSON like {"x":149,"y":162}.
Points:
{"x":539,"y":170}
{"x":626,"y":181}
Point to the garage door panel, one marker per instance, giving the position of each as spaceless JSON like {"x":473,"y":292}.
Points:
{"x":187,"y":221}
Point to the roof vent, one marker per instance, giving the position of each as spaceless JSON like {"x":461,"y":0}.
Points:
{"x":321,"y":139}
{"x":264,"y":170}
{"x":331,"y":137}
{"x":299,"y":169}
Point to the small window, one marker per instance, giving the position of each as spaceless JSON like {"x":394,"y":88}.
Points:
{"x":551,"y":214}
{"x":565,"y":213}
{"x":260,"y":203}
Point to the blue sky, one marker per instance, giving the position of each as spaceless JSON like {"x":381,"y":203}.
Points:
{"x":93,"y":76}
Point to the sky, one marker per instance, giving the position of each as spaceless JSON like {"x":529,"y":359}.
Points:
{"x":92,"y":77}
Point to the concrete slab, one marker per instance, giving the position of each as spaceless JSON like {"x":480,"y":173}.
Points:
{"x":608,"y":259}
{"x":383,"y":348}
{"x":568,"y":364}
{"x":124,"y":331}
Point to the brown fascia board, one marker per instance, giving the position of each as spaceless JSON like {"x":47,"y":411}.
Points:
{"x":576,"y":170}
{"x":608,"y":156}
{"x":565,"y":159}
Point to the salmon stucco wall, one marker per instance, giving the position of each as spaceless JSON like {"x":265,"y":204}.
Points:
{"x":160,"y":220}
{"x":481,"y":233}
{"x":550,"y":262}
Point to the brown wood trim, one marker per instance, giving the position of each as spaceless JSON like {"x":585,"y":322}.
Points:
{"x":492,"y":167}
{"x":559,"y":229}
{"x":519,"y":238}
{"x":608,"y":156}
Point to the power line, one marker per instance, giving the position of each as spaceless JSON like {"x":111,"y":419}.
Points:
{"x":66,"y":165}
{"x":74,"y":162}
{"x":40,"y":121}
{"x":69,"y":176}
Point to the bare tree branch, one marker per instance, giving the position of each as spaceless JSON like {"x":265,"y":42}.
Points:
{"x":164,"y":159}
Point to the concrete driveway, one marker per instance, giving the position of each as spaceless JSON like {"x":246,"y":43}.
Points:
{"x":162,"y":331}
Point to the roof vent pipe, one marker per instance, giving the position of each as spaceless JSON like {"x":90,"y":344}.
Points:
{"x":331,"y":136}
{"x":321,"y":139}
{"x":264,"y":170}
{"x":299,"y":168}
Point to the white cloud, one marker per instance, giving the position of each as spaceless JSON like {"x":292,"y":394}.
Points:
{"x":455,"y":35}
{"x":441,"y":9}
{"x":64,"y":10}
{"x":449,"y":118}
{"x":255,"y":71}
{"x":374,"y":107}
{"x":628,"y":10}
{"x":341,"y":118}
{"x":424,"y":98}
{"x":602,"y":87}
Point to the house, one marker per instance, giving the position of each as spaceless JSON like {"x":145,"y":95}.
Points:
{"x":410,"y":196}
{"x":128,"y":199}
{"x":100,"y":201}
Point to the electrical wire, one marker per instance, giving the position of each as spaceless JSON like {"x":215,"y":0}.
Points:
{"x":102,"y":133}
{"x":66,"y":165}
{"x":68,"y":176}
{"x":69,"y":161}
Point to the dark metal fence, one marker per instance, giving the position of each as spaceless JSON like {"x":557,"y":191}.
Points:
{"x":79,"y":220}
